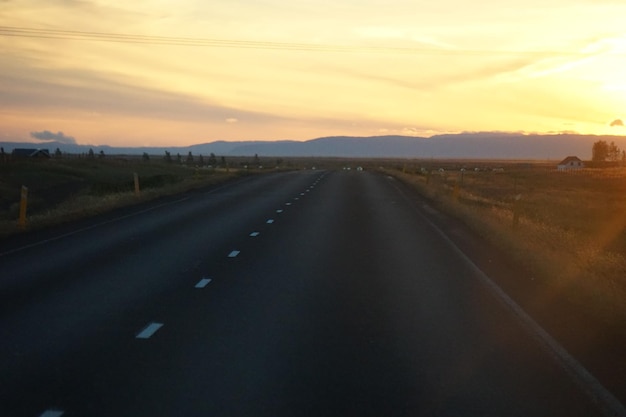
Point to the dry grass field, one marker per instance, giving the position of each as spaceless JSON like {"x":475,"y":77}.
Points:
{"x":62,"y":190}
{"x":567,"y":228}
{"x":70,"y":187}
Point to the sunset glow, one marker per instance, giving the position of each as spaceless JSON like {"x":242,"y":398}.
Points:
{"x":193,"y":71}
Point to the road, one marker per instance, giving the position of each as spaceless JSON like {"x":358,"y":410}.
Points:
{"x":304,"y":293}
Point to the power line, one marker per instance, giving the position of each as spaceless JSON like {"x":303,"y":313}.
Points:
{"x":158,"y":40}
{"x":53,"y":34}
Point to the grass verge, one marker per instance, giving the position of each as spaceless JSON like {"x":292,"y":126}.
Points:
{"x":568,"y":263}
{"x":64,"y":191}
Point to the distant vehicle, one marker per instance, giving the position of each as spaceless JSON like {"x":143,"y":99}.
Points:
{"x":359,"y":168}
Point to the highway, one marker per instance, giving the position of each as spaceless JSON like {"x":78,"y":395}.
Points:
{"x":309,"y":293}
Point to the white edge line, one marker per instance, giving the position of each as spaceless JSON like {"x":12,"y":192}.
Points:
{"x":116,"y":219}
{"x":148,"y":331}
{"x":609,"y":404}
{"x":203,"y":282}
{"x":93,"y":226}
{"x":52,"y":413}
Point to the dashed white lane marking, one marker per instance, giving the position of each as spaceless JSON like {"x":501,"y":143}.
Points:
{"x":149,"y":330}
{"x":287,"y":204}
{"x":301,"y":193}
{"x":203,"y":282}
{"x":296,"y":198}
{"x":93,"y":226}
{"x":254,"y":234}
{"x":52,"y":413}
{"x":104,"y":223}
{"x":269,"y":221}
{"x":234,"y":254}
{"x":279,"y":211}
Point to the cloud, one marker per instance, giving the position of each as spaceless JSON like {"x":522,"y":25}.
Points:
{"x":231,"y":120}
{"x":437,"y":79}
{"x":617,"y":122}
{"x":59,"y":137}
{"x":35,"y":90}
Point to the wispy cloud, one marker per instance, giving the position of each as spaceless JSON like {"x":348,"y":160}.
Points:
{"x":589,"y":52}
{"x":84,"y":91}
{"x":410,"y":36}
{"x":434,"y":78}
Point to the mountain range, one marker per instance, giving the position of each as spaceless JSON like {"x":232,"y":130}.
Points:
{"x":485,"y":145}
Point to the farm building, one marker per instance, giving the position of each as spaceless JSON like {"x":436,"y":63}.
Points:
{"x":571,"y":162}
{"x":30,"y":153}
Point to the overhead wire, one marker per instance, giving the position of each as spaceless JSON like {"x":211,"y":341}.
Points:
{"x":24,"y":32}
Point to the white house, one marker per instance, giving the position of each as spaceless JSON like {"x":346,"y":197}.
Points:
{"x":571,"y":162}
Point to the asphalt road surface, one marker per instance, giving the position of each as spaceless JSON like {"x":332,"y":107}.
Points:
{"x":289,"y":294}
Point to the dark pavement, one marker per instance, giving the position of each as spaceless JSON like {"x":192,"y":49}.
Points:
{"x":328,"y":296}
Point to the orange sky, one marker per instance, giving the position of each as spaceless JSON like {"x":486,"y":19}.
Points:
{"x":304,"y":69}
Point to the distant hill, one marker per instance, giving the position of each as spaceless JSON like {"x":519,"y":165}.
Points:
{"x":487,"y":145}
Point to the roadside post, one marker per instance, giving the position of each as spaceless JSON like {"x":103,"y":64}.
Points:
{"x":23,"y":206}
{"x":136,"y":178}
{"x":516,"y":209}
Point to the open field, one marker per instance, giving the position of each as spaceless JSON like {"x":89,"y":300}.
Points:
{"x":566,"y":228}
{"x":66,"y":189}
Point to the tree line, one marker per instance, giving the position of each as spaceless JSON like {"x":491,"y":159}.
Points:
{"x":211,"y":160}
{"x":603,"y":151}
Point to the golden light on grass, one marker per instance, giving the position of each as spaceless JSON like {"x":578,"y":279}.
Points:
{"x":571,"y":234}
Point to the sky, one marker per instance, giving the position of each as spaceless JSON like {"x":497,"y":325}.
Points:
{"x":180,"y":72}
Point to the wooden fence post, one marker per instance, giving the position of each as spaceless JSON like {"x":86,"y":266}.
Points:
{"x":516,"y":209}
{"x":136,"y":178}
{"x":23,"y":206}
